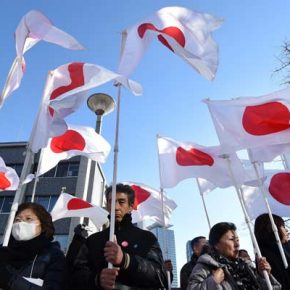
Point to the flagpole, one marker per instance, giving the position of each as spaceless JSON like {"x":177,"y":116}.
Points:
{"x":274,"y":227}
{"x":247,"y":219}
{"x":36,"y":177}
{"x":10,"y":74}
{"x":285,"y":162}
{"x":116,"y":150}
{"x":26,"y":168}
{"x":203,"y":202}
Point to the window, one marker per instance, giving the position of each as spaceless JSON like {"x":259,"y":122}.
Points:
{"x":62,"y":239}
{"x":5,"y":204}
{"x":63,"y":169}
{"x":47,"y":201}
{"x":17,"y":166}
{"x":73,"y":169}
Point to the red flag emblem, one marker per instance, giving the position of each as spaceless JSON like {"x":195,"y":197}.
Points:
{"x":279,"y":187}
{"x":4,"y":182}
{"x":70,"y":140}
{"x":140,"y":195}
{"x":193,"y":157}
{"x":266,"y":119}
{"x":172,"y":31}
{"x":77,"y":203}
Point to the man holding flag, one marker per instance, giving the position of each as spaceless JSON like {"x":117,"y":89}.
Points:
{"x":136,"y":256}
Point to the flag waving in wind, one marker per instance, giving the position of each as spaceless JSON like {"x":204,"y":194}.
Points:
{"x":66,"y":89}
{"x":33,"y":27}
{"x":252,"y":121}
{"x":184,"y":32}
{"x":182,"y":160}
{"x":277,"y":190}
{"x":9,"y":179}
{"x":148,"y":205}
{"x":77,"y":140}
{"x":70,"y":206}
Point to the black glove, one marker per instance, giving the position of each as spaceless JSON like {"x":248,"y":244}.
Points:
{"x":80,"y":230}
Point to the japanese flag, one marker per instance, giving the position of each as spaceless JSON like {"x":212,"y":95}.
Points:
{"x":184,"y":32}
{"x":9,"y":179}
{"x":205,"y":186}
{"x":77,"y":140}
{"x":66,"y":89}
{"x":148,"y":205}
{"x":252,"y":121}
{"x":182,"y":160}
{"x":33,"y":27}
{"x":70,"y":206}
{"x":277,"y":189}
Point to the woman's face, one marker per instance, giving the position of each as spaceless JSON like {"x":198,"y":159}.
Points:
{"x":284,"y":234}
{"x":228,"y":245}
{"x":28,"y":216}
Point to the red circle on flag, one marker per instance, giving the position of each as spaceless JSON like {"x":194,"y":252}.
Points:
{"x":4,"y":182}
{"x":279,"y":187}
{"x":77,"y":203}
{"x":266,"y":119}
{"x":70,"y":140}
{"x":140,"y":195}
{"x":171,"y":31}
{"x":193,"y":157}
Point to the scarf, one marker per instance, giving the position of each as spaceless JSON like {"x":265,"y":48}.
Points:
{"x":239,"y":273}
{"x":18,"y":253}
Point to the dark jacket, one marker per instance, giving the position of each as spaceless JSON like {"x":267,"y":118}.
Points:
{"x":145,"y":269}
{"x":48,"y":266}
{"x":273,"y":256}
{"x":186,"y":271}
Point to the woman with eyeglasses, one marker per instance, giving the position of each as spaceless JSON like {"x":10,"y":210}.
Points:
{"x":221,"y":268}
{"x":32,"y":260}
{"x":269,"y":248}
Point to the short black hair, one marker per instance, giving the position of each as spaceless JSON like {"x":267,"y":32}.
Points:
{"x":196,"y":240}
{"x":218,"y":230}
{"x":125,"y":188}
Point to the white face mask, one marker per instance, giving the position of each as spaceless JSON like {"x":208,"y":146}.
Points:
{"x":23,"y":231}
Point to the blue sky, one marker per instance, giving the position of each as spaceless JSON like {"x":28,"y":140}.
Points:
{"x":249,"y":40}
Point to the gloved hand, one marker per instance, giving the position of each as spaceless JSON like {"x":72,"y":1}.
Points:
{"x":81,"y":231}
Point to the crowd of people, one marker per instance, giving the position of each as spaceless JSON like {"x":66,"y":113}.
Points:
{"x":32,"y":260}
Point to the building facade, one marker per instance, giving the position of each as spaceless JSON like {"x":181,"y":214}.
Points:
{"x":77,"y":176}
{"x":166,"y":240}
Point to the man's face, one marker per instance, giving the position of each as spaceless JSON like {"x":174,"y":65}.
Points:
{"x":122,"y":205}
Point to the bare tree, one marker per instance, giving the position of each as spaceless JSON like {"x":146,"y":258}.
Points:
{"x":284,"y":60}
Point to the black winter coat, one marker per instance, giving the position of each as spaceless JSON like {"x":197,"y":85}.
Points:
{"x":48,"y":266}
{"x":145,"y":269}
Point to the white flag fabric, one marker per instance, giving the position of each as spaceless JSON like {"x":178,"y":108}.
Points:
{"x":70,"y":206}
{"x":186,"y":33}
{"x":277,"y":189}
{"x":77,"y":140}
{"x":250,"y":122}
{"x":9,"y":179}
{"x":205,"y":186}
{"x":182,"y":160}
{"x":66,"y":89}
{"x":33,"y":27}
{"x":268,"y":153}
{"x":148,"y":205}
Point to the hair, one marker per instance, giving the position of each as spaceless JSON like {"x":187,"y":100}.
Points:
{"x":263,"y":229}
{"x":47,"y":227}
{"x":196,"y":240}
{"x":125,"y":188}
{"x":218,"y":230}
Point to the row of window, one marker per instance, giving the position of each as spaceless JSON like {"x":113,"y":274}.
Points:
{"x":47,"y":201}
{"x":63,"y":169}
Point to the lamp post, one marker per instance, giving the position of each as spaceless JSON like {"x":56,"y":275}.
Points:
{"x":101,"y":104}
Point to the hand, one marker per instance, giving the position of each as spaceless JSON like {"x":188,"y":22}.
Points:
{"x":113,"y":253}
{"x":262,"y":265}
{"x":108,"y":278}
{"x":218,"y":275}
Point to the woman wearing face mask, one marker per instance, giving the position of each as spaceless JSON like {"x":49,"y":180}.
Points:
{"x":269,"y":248}
{"x":221,"y":268}
{"x":31,"y":260}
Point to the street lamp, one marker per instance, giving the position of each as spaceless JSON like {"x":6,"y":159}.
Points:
{"x":101,"y":104}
